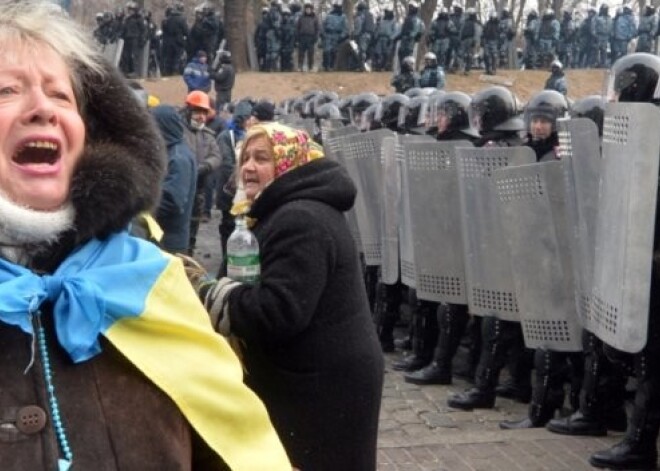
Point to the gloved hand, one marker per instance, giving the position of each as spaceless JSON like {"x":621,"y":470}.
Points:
{"x":215,"y":297}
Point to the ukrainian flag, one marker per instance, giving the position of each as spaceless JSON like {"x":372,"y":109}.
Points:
{"x":140,"y":299}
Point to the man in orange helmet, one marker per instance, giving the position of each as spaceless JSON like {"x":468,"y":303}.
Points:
{"x":201,"y":140}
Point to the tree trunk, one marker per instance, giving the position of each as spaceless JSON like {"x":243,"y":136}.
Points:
{"x":236,"y":32}
{"x":426,"y":15}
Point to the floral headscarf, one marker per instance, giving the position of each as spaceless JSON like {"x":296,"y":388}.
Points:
{"x":292,"y":148}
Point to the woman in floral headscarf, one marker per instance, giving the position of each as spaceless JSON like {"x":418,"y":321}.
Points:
{"x":308,"y":343}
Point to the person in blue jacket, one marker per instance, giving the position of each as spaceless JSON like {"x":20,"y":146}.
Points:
{"x":197,"y":74}
{"x":178,"y":190}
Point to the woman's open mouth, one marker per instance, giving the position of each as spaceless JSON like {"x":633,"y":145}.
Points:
{"x":38,"y":155}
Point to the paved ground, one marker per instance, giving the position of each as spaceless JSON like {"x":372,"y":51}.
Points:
{"x":419,"y":432}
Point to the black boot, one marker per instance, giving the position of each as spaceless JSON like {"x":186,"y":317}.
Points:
{"x":548,"y":393}
{"x":496,"y":338}
{"x":386,"y":313}
{"x":601,"y":398}
{"x":519,"y":364}
{"x":425,"y":335}
{"x":638,"y":449}
{"x":472,"y":341}
{"x":452,"y":320}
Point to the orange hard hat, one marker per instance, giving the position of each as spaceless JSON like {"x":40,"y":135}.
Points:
{"x":198,"y":99}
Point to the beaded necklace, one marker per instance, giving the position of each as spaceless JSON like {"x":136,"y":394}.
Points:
{"x":63,"y":464}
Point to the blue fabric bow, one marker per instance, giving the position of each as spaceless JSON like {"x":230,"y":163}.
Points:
{"x":98,"y":284}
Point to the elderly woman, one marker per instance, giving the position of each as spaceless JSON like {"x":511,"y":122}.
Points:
{"x":308,"y":343}
{"x":108,"y":359}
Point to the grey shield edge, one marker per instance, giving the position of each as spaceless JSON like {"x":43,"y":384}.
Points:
{"x":406,"y":241}
{"x":143,"y":60}
{"x":436,"y":221}
{"x":328,"y":124}
{"x":112,"y":52}
{"x":491,"y":291}
{"x":361,"y":154}
{"x":391,"y":209}
{"x":332,"y":150}
{"x":579,"y":147}
{"x":625,"y":225}
{"x":533,"y":209}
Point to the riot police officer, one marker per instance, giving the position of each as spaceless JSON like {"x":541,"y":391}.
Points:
{"x":363,"y":31}
{"x":407,"y":78}
{"x":634,"y":79}
{"x":470,"y":35}
{"x":432,"y":76}
{"x":386,"y":32}
{"x":648,"y":27}
{"x":548,"y":37}
{"x":623,"y":31}
{"x":531,"y":34}
{"x":490,"y":43}
{"x":494,"y":113}
{"x":307,"y":33}
{"x":288,"y":40}
{"x":557,"y":79}
{"x":411,"y":32}
{"x":175,"y":35}
{"x":439,"y":36}
{"x":334,"y":31}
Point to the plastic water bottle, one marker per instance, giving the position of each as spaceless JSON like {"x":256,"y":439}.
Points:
{"x":243,"y":254}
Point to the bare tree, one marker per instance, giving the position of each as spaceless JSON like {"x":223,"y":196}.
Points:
{"x":426,"y":14}
{"x":235,"y":31}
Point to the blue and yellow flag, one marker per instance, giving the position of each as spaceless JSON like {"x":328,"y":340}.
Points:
{"x":140,"y":299}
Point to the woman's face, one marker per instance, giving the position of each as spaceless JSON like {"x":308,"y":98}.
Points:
{"x":41,"y":131}
{"x":257,"y":166}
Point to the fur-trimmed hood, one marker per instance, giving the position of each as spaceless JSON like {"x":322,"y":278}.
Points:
{"x":122,"y":166}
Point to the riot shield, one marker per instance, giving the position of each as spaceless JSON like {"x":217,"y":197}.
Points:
{"x":328,"y":124}
{"x":436,"y":220}
{"x":491,"y":291}
{"x":332,"y":150}
{"x":333,"y":139}
{"x":361,"y":153}
{"x":142,"y":66}
{"x":391,"y":211}
{"x":112,"y":52}
{"x":406,"y":241}
{"x":533,"y":209}
{"x":625,"y":225}
{"x":579,"y":147}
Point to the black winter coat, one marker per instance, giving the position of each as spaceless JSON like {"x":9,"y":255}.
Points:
{"x":311,"y":351}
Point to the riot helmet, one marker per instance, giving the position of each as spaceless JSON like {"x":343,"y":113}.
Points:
{"x":412,"y":116}
{"x":298,"y":106}
{"x":591,"y":107}
{"x":495,"y":109}
{"x":408,"y":64}
{"x":649,"y":10}
{"x":359,"y":103}
{"x":327,"y":111}
{"x":542,"y":112}
{"x":634,"y":78}
{"x":430,"y":60}
{"x":388,"y":112}
{"x":413,"y":8}
{"x":318,"y":100}
{"x":361,"y":6}
{"x":451,"y":112}
{"x":367,"y":118}
{"x":413,"y":92}
{"x":344,"y":106}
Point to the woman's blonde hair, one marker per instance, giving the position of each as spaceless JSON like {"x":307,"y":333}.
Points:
{"x":31,"y":24}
